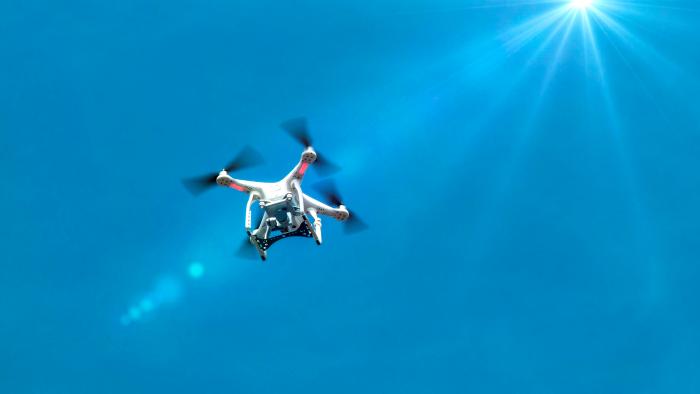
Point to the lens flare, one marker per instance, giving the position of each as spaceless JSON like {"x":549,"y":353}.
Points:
{"x":146,"y":305}
{"x":196,"y":270}
{"x":134,"y":313}
{"x":168,"y":289}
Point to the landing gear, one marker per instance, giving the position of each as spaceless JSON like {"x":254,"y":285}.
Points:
{"x":262,"y":252}
{"x":316,"y":227}
{"x":305,"y":229}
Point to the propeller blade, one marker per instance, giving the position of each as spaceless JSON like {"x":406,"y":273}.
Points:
{"x":247,"y":157}
{"x":330,"y":191}
{"x":199,"y":184}
{"x":298,"y":129}
{"x":325,"y":167}
{"x":354,"y":224}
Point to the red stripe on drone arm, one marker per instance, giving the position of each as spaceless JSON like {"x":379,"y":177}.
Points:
{"x":303,"y":168}
{"x":237,"y":187}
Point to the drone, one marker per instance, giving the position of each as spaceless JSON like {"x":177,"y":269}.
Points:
{"x":286,"y":210}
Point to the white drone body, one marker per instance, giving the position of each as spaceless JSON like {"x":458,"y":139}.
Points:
{"x":285,"y":206}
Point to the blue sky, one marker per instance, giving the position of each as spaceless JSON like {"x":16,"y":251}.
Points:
{"x":528,"y":170}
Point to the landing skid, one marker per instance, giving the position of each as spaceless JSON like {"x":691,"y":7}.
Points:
{"x":312,"y":230}
{"x":263,"y":244}
{"x":261,"y":252}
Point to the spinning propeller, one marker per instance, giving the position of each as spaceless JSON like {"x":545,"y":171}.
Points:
{"x":298,"y":129}
{"x":328,"y":189}
{"x":247,"y":157}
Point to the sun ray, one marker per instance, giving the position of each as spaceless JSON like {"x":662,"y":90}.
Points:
{"x":495,"y":5}
{"x":557,"y":56}
{"x":591,"y":42}
{"x":622,"y":29}
{"x":547,"y":41}
{"x":640,"y":81}
{"x":628,"y":38}
{"x":517,"y":37}
{"x":617,"y":5}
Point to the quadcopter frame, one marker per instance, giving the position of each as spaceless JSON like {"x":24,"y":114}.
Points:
{"x":285,"y":206}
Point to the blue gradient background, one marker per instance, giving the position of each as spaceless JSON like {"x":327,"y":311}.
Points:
{"x":534,"y":216}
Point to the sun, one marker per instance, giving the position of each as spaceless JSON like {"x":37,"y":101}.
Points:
{"x":580,"y":4}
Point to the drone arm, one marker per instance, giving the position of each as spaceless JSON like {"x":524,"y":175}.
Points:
{"x":224,"y":179}
{"x":340,"y":213}
{"x":297,"y":173}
